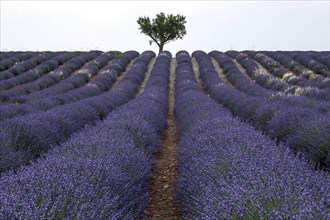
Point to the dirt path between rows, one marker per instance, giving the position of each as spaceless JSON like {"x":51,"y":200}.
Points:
{"x":220,"y":73}
{"x":243,"y":71}
{"x":166,"y":171}
{"x":105,"y":66}
{"x":197,"y":74}
{"x":123,"y":74}
{"x":146,"y":78}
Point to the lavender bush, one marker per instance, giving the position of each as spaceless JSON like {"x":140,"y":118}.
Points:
{"x":75,"y":72}
{"x":29,"y":70}
{"x":274,"y":83}
{"x":311,"y":64}
{"x":100,"y":83}
{"x":261,"y":113}
{"x":321,"y":56}
{"x":304,"y":77}
{"x":234,"y":75}
{"x":228,"y":170}
{"x":24,"y":138}
{"x":101,"y":172}
{"x":9,"y":59}
{"x":9,"y":54}
{"x":49,"y":66}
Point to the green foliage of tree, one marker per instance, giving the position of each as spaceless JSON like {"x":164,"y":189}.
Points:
{"x":163,"y":28}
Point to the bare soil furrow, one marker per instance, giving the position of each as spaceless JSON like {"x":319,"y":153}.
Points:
{"x":220,"y":72}
{"x":166,"y":171}
{"x":128,"y":67}
{"x":196,"y":73}
{"x":146,"y":78}
{"x":243,"y":71}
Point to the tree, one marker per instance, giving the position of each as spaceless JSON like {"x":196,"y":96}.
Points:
{"x":163,"y":29}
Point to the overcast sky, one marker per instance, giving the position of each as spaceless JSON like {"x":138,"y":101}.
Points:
{"x":211,"y":25}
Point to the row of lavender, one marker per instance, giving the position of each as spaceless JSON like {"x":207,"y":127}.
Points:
{"x":280,"y":79}
{"x":70,"y":80}
{"x":322,"y":56}
{"x":24,"y":138}
{"x":33,"y":68}
{"x":301,"y":63}
{"x":301,"y":122}
{"x":10,"y":54}
{"x":317,"y":62}
{"x":9,"y":59}
{"x":229,"y":170}
{"x":14,"y":66}
{"x":90,"y":80}
{"x":290,"y":70}
{"x":44,"y":75}
{"x":267,"y":80}
{"x":101,"y":172}
{"x":38,"y":77}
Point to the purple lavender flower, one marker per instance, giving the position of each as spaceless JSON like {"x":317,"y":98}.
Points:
{"x":25,"y":138}
{"x":102,"y":171}
{"x":229,"y":170}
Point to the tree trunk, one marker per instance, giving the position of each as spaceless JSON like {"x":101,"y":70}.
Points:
{"x":161,"y":46}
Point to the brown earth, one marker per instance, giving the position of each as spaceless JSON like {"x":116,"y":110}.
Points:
{"x":123,"y":74}
{"x":220,"y":73}
{"x":146,"y":78}
{"x":196,"y":73}
{"x":243,"y":71}
{"x":166,"y":171}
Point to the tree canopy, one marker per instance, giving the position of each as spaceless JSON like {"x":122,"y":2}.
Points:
{"x":163,"y":28}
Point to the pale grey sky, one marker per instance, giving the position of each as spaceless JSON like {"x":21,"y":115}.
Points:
{"x":211,"y":25}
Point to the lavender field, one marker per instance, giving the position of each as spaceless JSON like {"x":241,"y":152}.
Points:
{"x":79,"y":133}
